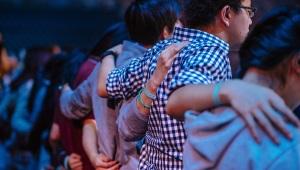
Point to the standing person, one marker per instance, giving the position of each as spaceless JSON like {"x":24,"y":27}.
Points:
{"x":211,"y":26}
{"x":72,"y":131}
{"x":270,"y":58}
{"x":67,"y":132}
{"x":146,"y":27}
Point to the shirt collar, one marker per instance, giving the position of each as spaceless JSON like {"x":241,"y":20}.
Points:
{"x":187,"y":34}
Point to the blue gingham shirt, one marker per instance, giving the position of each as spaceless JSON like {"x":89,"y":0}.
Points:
{"x":204,"y":61}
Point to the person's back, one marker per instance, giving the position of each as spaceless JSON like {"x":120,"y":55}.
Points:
{"x":221,"y":140}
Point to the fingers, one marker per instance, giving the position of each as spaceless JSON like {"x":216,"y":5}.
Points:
{"x":250,"y":123}
{"x":282,"y":108}
{"x":77,"y":165}
{"x":180,"y":45}
{"x":265,"y":125}
{"x":115,"y":167}
{"x":75,"y":161}
{"x":107,"y":164}
{"x":104,"y":162}
{"x":75,"y":156}
{"x":104,"y":158}
{"x":276,"y":119}
{"x":170,"y":52}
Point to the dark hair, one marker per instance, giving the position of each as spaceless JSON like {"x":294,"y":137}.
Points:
{"x":146,"y":19}
{"x":273,"y":40}
{"x":199,"y":13}
{"x":35,"y":60}
{"x":113,"y":36}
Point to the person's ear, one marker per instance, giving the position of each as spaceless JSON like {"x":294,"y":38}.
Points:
{"x":226,"y":15}
{"x":166,"y":33}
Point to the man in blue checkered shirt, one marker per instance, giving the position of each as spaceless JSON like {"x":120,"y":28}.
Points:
{"x":211,"y":26}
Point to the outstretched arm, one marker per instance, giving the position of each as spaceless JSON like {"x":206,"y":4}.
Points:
{"x":251,"y":101}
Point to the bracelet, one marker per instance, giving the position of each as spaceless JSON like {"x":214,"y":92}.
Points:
{"x":140,"y":100}
{"x":149,"y":94}
{"x":215,"y":96}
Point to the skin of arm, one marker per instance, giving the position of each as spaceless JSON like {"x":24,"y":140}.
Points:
{"x":164,"y":63}
{"x":191,"y":97}
{"x":89,"y":139}
{"x":245,"y":97}
{"x":107,"y":65}
{"x":54,"y":135}
{"x":89,"y":142}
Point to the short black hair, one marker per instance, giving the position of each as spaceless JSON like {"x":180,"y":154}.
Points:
{"x":146,"y":19}
{"x":199,"y":13}
{"x":274,"y":39}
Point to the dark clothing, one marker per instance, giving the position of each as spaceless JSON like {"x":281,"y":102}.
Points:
{"x":71,"y":130}
{"x":297,"y":112}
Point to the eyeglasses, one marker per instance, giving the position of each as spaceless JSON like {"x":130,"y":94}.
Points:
{"x":251,"y":11}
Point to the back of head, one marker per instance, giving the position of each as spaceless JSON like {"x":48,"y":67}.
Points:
{"x":199,"y":13}
{"x":113,"y":36}
{"x":146,"y":19}
{"x":274,"y":40}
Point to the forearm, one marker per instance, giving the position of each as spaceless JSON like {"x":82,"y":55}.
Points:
{"x":107,"y":65}
{"x":76,"y":104}
{"x":152,"y":86}
{"x":132,"y":124}
{"x":194,"y":97}
{"x":89,"y":140}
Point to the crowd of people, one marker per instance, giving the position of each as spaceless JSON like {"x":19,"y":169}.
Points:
{"x":158,"y":91}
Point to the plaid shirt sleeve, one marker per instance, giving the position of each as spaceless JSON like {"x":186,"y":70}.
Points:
{"x":204,"y":67}
{"x":123,"y":83}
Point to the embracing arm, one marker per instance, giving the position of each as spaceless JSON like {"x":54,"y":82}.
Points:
{"x":108,"y":64}
{"x":76,"y":104}
{"x":251,"y":101}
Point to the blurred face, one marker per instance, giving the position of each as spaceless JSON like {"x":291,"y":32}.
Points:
{"x":240,"y":23}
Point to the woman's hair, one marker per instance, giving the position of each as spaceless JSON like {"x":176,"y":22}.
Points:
{"x":35,"y":60}
{"x":274,"y":40}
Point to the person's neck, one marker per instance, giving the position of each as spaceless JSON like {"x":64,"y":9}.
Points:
{"x":257,"y":77}
{"x":147,"y":46}
{"x":262,"y":78}
{"x":216,"y":31}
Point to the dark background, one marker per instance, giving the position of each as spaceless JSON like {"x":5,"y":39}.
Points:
{"x":71,"y":23}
